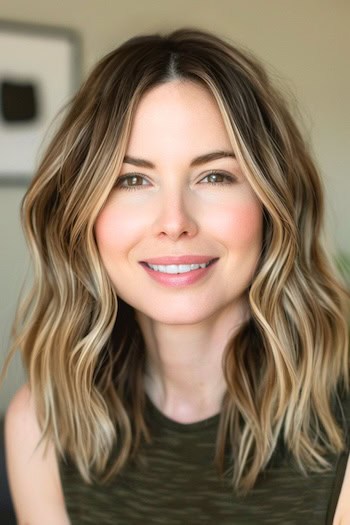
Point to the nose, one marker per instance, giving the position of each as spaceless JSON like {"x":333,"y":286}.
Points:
{"x":175,"y":217}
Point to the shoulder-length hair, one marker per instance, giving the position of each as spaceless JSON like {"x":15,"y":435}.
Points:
{"x":81,"y":346}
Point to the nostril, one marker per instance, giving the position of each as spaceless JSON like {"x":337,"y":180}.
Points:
{"x":176,"y":228}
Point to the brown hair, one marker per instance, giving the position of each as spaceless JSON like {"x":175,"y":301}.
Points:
{"x":84,"y":353}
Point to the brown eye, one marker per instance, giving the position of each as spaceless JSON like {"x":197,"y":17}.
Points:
{"x":131,"y":181}
{"x":217,"y":177}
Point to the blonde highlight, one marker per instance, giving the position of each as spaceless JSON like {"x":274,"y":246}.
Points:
{"x":80,"y":343}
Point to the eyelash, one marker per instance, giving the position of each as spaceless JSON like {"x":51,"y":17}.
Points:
{"x":123,"y":178}
{"x":227,"y":179}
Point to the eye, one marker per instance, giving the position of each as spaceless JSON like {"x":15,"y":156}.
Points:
{"x":218,"y":177}
{"x":131,"y":182}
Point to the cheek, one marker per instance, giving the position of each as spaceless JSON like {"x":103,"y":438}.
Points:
{"x":240,"y":225}
{"x":116,"y":229}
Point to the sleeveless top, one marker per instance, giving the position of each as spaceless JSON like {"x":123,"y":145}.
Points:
{"x":180,"y":485}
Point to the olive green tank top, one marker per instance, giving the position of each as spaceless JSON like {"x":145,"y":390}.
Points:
{"x":180,"y":486}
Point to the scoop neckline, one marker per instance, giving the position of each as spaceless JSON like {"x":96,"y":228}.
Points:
{"x":182,"y":428}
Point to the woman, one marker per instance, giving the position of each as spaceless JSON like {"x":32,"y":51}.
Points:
{"x":186,"y":338}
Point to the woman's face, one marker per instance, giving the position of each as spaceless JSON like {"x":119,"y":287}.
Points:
{"x":181,"y":232}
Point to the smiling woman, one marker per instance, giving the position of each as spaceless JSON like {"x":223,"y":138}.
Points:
{"x":186,"y":336}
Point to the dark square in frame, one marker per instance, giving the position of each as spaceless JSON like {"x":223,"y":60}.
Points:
{"x":19,"y":101}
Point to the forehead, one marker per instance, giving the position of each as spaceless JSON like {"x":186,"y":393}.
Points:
{"x":177,"y":115}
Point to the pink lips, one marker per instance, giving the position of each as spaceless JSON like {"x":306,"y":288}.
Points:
{"x":179,"y":279}
{"x":180,"y":259}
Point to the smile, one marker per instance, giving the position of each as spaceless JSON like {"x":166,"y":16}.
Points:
{"x":177,"y":268}
{"x":180,"y":271}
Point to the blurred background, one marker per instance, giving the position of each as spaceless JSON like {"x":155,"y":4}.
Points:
{"x":305,"y":46}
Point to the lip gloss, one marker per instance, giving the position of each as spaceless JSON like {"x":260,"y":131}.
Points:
{"x":178,"y":279}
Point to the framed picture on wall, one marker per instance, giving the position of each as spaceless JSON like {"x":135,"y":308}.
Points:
{"x":39,"y":72}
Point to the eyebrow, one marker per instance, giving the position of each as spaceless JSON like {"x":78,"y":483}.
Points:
{"x":202,"y":159}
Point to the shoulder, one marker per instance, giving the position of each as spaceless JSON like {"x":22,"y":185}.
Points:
{"x":20,"y":410}
{"x":32,"y":468}
{"x":342,"y":513}
{"x":21,"y":425}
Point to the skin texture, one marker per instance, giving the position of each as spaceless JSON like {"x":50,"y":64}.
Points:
{"x":174,"y":210}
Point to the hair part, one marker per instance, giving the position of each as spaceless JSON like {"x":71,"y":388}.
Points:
{"x":81,"y":346}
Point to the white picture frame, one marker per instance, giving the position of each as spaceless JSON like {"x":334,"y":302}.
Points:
{"x":39,"y":73}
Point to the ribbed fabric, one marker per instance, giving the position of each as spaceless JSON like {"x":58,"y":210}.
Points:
{"x":179,"y":485}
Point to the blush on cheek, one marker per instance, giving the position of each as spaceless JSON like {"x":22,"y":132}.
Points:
{"x":243,"y":223}
{"x":118,"y":231}
{"x":251,"y":220}
{"x":104,"y":230}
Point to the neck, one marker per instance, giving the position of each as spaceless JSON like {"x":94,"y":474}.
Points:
{"x":184,"y":375}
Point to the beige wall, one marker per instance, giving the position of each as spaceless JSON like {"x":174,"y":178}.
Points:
{"x":305,"y":43}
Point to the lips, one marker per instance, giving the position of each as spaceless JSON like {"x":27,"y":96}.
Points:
{"x":180,"y":259}
{"x":176,"y":268}
{"x":179,"y":271}
{"x":179,"y":264}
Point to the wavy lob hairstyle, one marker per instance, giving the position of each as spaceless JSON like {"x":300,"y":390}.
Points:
{"x":82,"y":348}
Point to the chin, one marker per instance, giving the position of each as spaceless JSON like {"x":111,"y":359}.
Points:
{"x":178,"y":317}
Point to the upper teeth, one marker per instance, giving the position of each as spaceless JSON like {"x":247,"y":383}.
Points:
{"x":176,"y":268}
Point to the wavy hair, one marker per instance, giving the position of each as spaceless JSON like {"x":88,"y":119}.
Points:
{"x":81,"y":345}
